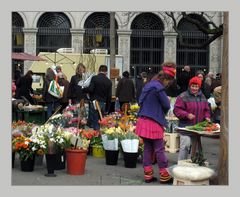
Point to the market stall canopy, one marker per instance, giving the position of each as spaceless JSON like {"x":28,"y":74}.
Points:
{"x":26,"y":56}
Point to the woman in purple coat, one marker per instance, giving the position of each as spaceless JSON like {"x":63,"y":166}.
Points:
{"x":191,"y":107}
{"x":154,"y":104}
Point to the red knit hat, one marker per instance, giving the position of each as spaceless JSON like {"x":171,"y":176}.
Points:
{"x":195,"y":80}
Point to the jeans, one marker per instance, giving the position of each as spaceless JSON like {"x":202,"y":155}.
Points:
{"x":94,"y":116}
{"x":156,"y":145}
{"x":51,"y":108}
{"x":185,"y":144}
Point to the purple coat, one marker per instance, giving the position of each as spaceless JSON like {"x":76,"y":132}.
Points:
{"x":154,"y":102}
{"x":187,"y":103}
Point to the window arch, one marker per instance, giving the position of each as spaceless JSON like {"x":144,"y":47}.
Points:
{"x":53,"y":32}
{"x":97,"y":32}
{"x":197,"y":59}
{"x":17,"y":33}
{"x":147,"y":44}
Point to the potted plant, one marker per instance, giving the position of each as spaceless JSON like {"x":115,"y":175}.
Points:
{"x":26,"y":150}
{"x":51,"y":140}
{"x":111,"y":144}
{"x":76,"y":152}
{"x":95,"y":139}
{"x":130,"y":146}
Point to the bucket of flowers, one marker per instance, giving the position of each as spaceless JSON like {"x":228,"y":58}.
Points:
{"x":110,"y":138}
{"x":52,"y":140}
{"x":95,"y":139}
{"x":130,"y":146}
{"x":76,"y":150}
{"x":26,"y":148}
{"x":20,"y":128}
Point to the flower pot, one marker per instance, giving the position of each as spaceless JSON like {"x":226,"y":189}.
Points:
{"x":130,"y":159}
{"x":111,"y":157}
{"x":60,"y":160}
{"x":98,"y":151}
{"x":51,"y":164}
{"x":28,"y":165}
{"x":76,"y":160}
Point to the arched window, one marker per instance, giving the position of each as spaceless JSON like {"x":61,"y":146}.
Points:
{"x":53,"y":32}
{"x":97,"y":32}
{"x":197,"y":59}
{"x":147,"y":44}
{"x":17,"y":33}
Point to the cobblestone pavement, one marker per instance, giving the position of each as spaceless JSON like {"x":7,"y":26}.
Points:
{"x":98,"y":173}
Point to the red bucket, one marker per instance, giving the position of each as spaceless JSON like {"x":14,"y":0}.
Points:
{"x":76,"y":160}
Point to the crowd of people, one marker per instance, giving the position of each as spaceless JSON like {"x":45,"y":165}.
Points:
{"x":152,"y":95}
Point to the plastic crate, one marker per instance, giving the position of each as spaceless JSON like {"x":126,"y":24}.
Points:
{"x":172,"y":142}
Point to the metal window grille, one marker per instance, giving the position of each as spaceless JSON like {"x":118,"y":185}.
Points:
{"x":147,"y":44}
{"x":17,"y":33}
{"x":197,"y":59}
{"x":97,"y":32}
{"x":53,"y":32}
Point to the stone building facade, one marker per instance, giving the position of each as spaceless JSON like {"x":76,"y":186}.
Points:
{"x":124,"y":31}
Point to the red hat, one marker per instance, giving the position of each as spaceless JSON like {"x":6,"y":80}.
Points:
{"x":195,"y":80}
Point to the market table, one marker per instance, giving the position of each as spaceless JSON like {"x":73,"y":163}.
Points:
{"x":197,"y":135}
{"x":37,"y":115}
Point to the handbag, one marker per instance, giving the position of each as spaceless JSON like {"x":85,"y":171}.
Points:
{"x":55,"y":89}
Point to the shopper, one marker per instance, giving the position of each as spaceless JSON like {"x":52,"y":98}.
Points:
{"x":75,"y":92}
{"x":24,"y":87}
{"x":100,"y":89}
{"x":125,"y":90}
{"x":51,"y":101}
{"x":154,"y":105}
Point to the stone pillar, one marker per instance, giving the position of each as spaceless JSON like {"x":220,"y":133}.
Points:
{"x":124,"y":47}
{"x":215,"y":55}
{"x":77,"y":40}
{"x":30,"y":45}
{"x":170,"y":46}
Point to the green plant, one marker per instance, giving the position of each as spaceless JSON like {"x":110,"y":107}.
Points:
{"x":199,"y":159}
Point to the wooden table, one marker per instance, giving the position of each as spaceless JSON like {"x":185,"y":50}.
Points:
{"x":197,"y":135}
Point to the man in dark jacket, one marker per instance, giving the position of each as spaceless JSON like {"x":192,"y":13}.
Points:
{"x":125,"y":90}
{"x":100,"y":89}
{"x":184,"y":78}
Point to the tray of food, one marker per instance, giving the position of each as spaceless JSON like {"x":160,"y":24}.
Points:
{"x":202,"y":128}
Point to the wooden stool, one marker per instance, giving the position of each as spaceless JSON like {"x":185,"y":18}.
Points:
{"x":191,"y":175}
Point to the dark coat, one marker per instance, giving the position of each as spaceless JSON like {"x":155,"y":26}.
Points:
{"x":75,"y":92}
{"x":65,"y":83}
{"x":173,"y":90}
{"x":125,"y":90}
{"x":139,"y":86}
{"x":183,"y":80}
{"x":100,"y":88}
{"x":24,"y":88}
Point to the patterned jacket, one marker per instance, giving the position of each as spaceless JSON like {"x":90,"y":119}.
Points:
{"x":187,"y":103}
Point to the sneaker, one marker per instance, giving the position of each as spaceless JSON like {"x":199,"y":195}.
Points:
{"x":165,"y":177}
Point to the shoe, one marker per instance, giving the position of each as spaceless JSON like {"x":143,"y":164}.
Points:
{"x":165,"y":177}
{"x":153,"y":179}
